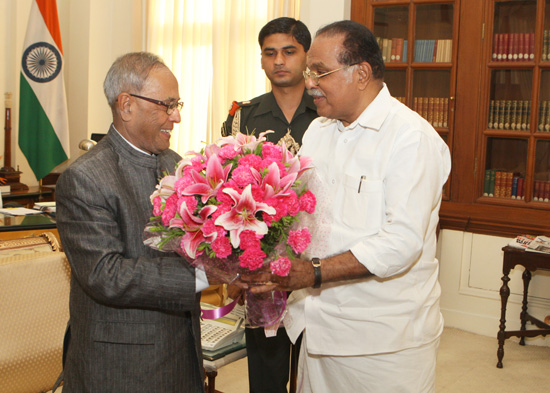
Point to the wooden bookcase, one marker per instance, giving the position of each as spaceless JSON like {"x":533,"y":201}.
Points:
{"x":511,"y":144}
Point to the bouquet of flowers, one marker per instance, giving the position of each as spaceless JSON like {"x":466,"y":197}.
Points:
{"x":233,"y":208}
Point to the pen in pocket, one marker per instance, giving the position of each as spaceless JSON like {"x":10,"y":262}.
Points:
{"x":363,"y":178}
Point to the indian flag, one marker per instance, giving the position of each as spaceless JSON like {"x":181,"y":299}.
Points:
{"x":43,"y":120}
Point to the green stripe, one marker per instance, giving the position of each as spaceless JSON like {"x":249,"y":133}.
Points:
{"x":37,"y":138}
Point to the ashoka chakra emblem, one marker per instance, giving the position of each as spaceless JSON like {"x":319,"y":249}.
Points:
{"x":41,"y":62}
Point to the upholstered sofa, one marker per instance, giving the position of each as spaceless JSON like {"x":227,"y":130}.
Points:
{"x":34,"y":310}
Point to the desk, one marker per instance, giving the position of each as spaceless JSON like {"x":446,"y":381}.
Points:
{"x":531,"y":261}
{"x":30,"y":196}
{"x":14,"y":227}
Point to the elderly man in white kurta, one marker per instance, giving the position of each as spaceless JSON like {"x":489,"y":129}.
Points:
{"x":368,"y":303}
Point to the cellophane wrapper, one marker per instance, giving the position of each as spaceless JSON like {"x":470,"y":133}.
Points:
{"x":262,"y":310}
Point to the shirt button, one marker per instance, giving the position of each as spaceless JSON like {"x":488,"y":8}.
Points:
{"x":333,"y":181}
{"x":345,"y":141}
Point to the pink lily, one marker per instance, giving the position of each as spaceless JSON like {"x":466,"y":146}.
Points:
{"x":192,"y":225}
{"x":165,"y":188}
{"x":243,"y":142}
{"x":243,"y":215}
{"x":208,"y":185}
{"x":272,"y":183}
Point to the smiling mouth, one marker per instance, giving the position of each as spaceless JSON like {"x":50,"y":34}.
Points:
{"x":169,"y":132}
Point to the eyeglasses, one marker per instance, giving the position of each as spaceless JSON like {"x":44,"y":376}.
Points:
{"x":169,"y":107}
{"x":315,"y":76}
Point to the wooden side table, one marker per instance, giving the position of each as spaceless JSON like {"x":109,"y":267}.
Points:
{"x":531,"y":261}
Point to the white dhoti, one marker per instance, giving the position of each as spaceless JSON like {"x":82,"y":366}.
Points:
{"x":407,"y":371}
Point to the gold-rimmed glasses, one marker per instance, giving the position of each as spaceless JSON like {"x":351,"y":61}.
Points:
{"x":169,"y":106}
{"x":315,"y":76}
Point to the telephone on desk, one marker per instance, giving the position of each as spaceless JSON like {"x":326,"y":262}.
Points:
{"x":224,"y":331}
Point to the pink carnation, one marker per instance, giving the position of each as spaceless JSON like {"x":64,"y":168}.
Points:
{"x":242,"y":176}
{"x":170,"y":209}
{"x":222,"y":196}
{"x":268,"y":219}
{"x":257,"y":193}
{"x":307,"y":202}
{"x":249,"y":239}
{"x":251,"y":160}
{"x":299,"y":240}
{"x":270,"y":150}
{"x":291,"y":202}
{"x":266,"y":162}
{"x":227,"y":152}
{"x":198,"y":163}
{"x":281,"y":266}
{"x":157,"y":206}
{"x":252,"y":258}
{"x":183,"y":182}
{"x":281,"y":209}
{"x":190,"y":202}
{"x":222,"y":247}
{"x":223,"y":208}
{"x":209,"y":228}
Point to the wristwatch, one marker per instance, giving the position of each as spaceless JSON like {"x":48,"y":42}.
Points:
{"x":316,"y":262}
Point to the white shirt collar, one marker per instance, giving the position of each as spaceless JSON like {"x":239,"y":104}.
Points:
{"x":373,"y":115}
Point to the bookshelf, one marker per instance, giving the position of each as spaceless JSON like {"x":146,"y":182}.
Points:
{"x":479,"y":72}
{"x":416,"y":39}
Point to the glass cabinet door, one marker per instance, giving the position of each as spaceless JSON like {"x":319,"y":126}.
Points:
{"x":431,"y":91}
{"x":416,"y":39}
{"x":391,"y":26}
{"x":506,"y":162}
{"x":510,"y":100}
{"x":396,"y":80}
{"x":433,"y":37}
{"x":518,"y":105}
{"x":514,"y":31}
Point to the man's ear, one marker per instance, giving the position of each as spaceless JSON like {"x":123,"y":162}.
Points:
{"x":365,"y":74}
{"x":124,"y":106}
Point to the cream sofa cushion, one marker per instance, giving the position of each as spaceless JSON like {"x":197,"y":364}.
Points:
{"x":34,"y":310}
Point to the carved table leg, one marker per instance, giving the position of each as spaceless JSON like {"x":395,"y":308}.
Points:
{"x":504,"y":294}
{"x":523,"y":315}
{"x":211,"y":387}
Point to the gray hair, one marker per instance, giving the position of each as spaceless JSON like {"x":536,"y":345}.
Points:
{"x":129,"y":73}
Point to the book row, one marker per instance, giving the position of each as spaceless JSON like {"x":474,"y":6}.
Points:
{"x":394,"y":50}
{"x":542,"y":191}
{"x":513,"y":47}
{"x":509,"y":114}
{"x":433,"y":51}
{"x":502,"y":184}
{"x":544,"y":116}
{"x":433,"y":109}
{"x":546,"y":45}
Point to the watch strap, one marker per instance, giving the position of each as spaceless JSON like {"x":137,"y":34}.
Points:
{"x":316,"y":262}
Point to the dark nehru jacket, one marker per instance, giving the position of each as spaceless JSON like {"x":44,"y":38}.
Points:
{"x":262,"y":114}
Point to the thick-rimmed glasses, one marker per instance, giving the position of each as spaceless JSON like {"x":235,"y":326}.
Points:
{"x":169,"y":106}
{"x":315,"y":76}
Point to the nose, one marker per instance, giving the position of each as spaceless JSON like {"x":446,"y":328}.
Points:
{"x":175,"y":116}
{"x":279,"y":58}
{"x":310,"y":84}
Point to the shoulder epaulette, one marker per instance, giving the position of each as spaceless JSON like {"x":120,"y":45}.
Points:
{"x":237,"y":105}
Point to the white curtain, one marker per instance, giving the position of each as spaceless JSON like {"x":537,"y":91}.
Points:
{"x":212,"y":48}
